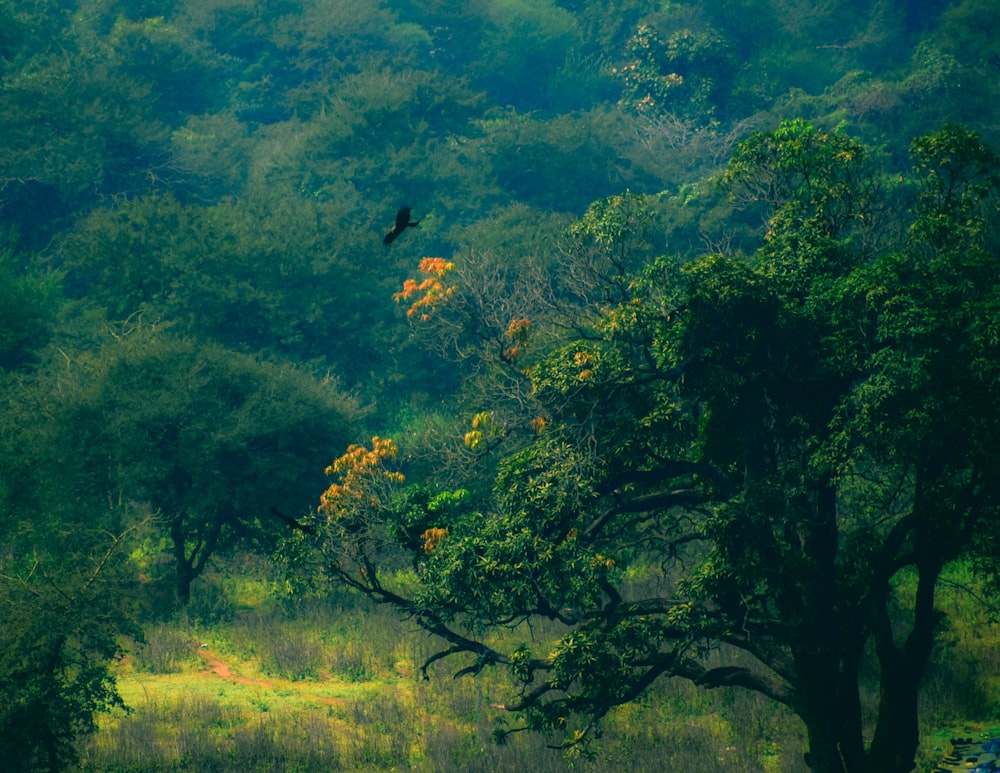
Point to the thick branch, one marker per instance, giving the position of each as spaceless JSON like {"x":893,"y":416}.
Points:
{"x":644,"y":503}
{"x":668,"y":469}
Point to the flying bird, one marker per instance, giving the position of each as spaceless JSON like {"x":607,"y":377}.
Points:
{"x":402,"y":223}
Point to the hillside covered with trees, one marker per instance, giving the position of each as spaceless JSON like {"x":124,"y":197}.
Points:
{"x":688,"y":375}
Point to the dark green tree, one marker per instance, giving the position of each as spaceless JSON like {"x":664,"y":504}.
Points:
{"x":29,"y":303}
{"x":64,"y":600}
{"x":207,"y":440}
{"x":750,"y":473}
{"x":76,"y":127}
{"x":265,"y":274}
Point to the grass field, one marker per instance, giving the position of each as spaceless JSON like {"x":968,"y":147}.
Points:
{"x":252,"y":683}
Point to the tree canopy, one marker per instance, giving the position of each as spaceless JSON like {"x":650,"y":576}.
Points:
{"x":698,"y":305}
{"x":765,"y":458}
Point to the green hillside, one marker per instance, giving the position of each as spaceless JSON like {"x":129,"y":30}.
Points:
{"x":669,"y":427}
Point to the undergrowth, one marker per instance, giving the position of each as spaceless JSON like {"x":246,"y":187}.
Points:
{"x":334,"y":684}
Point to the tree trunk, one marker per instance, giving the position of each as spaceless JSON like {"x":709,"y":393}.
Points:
{"x":50,"y":742}
{"x":897,"y":733}
{"x":184,"y":580}
{"x":186,"y":570}
{"x":830,"y":707}
{"x":190,"y":566}
{"x":829,"y":658}
{"x":824,"y":755}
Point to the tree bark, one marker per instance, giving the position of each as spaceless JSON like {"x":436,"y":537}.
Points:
{"x":830,"y":707}
{"x":828,"y":660}
{"x":897,"y":733}
{"x":190,"y":567}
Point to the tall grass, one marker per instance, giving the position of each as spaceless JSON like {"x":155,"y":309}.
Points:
{"x":165,"y":650}
{"x":195,"y":734}
{"x":202,"y":735}
{"x":333,"y":684}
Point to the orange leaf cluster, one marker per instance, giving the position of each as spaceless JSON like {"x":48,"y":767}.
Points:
{"x":358,"y":470}
{"x":518,"y":329}
{"x":431,"y":290}
{"x":517,"y":332}
{"x":435,"y":266}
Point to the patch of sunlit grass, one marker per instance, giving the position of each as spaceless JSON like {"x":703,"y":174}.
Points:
{"x":335,"y":684}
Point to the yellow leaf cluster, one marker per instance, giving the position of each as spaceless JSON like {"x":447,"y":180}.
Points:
{"x":585,"y":361}
{"x":432,"y":538}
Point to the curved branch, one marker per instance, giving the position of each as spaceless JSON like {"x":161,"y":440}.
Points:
{"x":644,"y":503}
{"x":673,"y":664}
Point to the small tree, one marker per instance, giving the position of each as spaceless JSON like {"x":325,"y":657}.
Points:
{"x":64,"y":604}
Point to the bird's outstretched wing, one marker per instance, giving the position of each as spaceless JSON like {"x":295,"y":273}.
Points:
{"x":402,"y":223}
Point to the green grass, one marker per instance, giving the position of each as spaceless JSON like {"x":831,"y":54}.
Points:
{"x":334,"y":685}
{"x":960,"y":695}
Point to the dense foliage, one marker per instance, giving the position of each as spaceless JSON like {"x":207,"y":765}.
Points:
{"x":717,"y":259}
{"x":743,"y":452}
{"x":64,"y":622}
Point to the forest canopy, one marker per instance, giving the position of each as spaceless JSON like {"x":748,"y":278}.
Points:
{"x":699,"y":290}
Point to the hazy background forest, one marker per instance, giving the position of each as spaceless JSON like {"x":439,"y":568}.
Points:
{"x":197,"y":316}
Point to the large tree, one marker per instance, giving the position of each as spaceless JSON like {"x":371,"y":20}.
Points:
{"x":768,"y":458}
{"x":212,"y":442}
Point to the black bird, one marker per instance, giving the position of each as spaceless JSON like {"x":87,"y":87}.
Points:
{"x":402,"y":223}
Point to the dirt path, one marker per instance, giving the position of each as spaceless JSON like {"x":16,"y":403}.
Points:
{"x":216,"y":666}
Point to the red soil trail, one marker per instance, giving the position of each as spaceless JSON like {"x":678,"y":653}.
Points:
{"x":215,"y":666}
